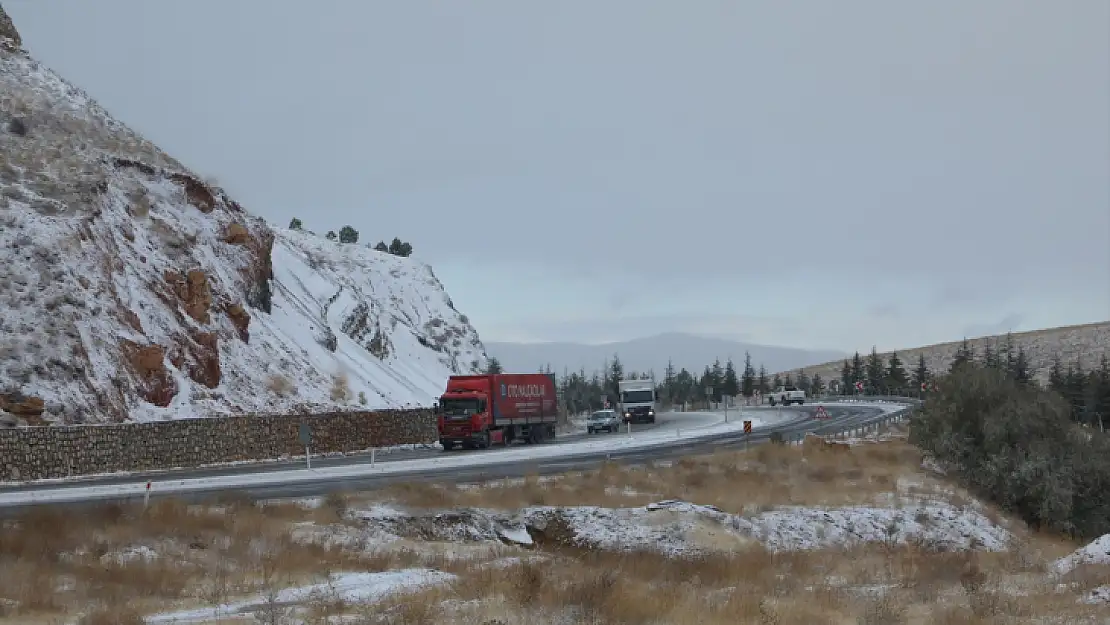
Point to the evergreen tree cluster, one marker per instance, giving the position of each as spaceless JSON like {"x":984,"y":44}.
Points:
{"x":1022,"y":445}
{"x":882,"y":378}
{"x":348,"y":234}
{"x":581,"y":392}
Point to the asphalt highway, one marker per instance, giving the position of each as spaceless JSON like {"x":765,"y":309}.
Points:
{"x":797,"y":421}
{"x":665,"y":420}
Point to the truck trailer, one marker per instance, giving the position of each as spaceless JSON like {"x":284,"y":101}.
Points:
{"x":637,"y":400}
{"x":477,"y":411}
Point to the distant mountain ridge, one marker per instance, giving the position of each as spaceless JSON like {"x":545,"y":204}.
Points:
{"x":688,"y":351}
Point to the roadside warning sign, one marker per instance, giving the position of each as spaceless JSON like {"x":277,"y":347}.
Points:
{"x":747,"y":427}
{"x":821,"y":414}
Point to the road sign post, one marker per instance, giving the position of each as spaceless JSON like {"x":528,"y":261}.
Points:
{"x":709,"y":398}
{"x":304,"y":432}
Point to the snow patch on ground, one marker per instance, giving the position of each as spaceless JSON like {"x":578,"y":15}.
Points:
{"x":348,"y":588}
{"x":1097,"y":552}
{"x":678,"y":527}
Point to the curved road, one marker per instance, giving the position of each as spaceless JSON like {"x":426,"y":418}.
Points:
{"x":796,"y":421}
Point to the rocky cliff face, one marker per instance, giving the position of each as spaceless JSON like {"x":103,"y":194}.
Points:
{"x":9,"y":36}
{"x":130,"y":289}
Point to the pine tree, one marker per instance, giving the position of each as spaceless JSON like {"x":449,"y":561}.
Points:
{"x":348,"y":234}
{"x":964,"y":355}
{"x":296,"y":224}
{"x":731,"y":383}
{"x":896,"y":378}
{"x":876,"y":373}
{"x":921,"y":373}
{"x":616,"y":374}
{"x":747,"y":380}
{"x":804,"y":383}
{"x":857,"y":369}
{"x":1020,"y":369}
{"x":816,"y":385}
{"x":1103,"y":395}
{"x":846,"y":378}
{"x":761,"y":381}
{"x":1007,"y":357}
{"x":331,"y":236}
{"x":381,"y":247}
{"x":1056,"y":380}
{"x":777,"y":383}
{"x":1075,"y":383}
{"x":494,"y":365}
{"x":990,"y":358}
{"x":669,"y":383}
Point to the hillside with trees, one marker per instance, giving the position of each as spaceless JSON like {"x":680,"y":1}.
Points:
{"x":1085,"y":343}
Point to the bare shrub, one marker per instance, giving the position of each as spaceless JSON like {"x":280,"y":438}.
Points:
{"x":340,"y":388}
{"x":280,"y":385}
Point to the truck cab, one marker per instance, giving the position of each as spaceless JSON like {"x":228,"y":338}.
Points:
{"x":478,"y":411}
{"x":637,"y":400}
{"x":463,"y":415}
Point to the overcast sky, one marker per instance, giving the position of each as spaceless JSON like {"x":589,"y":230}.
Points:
{"x":801,"y":173}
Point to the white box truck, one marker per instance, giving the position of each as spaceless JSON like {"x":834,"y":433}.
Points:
{"x":637,"y":400}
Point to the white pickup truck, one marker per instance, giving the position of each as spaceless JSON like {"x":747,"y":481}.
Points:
{"x":787,"y":395}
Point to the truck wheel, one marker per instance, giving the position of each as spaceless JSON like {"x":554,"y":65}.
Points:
{"x":447,"y":445}
{"x":486,"y":441}
{"x":772,"y":400}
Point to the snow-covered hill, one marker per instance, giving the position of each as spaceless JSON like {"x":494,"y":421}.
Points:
{"x":132,"y":289}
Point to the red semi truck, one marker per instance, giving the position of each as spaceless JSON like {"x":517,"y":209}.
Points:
{"x":482,"y":410}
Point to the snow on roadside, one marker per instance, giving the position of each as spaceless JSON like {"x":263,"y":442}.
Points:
{"x":348,"y":588}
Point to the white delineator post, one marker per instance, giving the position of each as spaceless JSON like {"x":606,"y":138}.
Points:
{"x":373,"y":452}
{"x":146,"y":496}
{"x":307,"y":457}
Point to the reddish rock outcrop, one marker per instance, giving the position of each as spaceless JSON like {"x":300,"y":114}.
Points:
{"x":198,"y":356}
{"x":148,"y":363}
{"x":237,"y":234}
{"x":196,"y":192}
{"x":193,"y":291}
{"x":241,"y":319}
{"x":22,"y":405}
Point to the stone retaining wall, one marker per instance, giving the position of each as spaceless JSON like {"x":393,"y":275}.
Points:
{"x":36,"y":453}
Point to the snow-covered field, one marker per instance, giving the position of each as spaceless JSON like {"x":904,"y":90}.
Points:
{"x":133,"y":289}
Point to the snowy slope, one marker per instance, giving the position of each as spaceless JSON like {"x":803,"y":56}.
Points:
{"x":130,"y":289}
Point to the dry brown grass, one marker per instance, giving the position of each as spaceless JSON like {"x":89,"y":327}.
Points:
{"x":245,"y":550}
{"x":54,"y":561}
{"x":739,"y":482}
{"x":869,"y":586}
